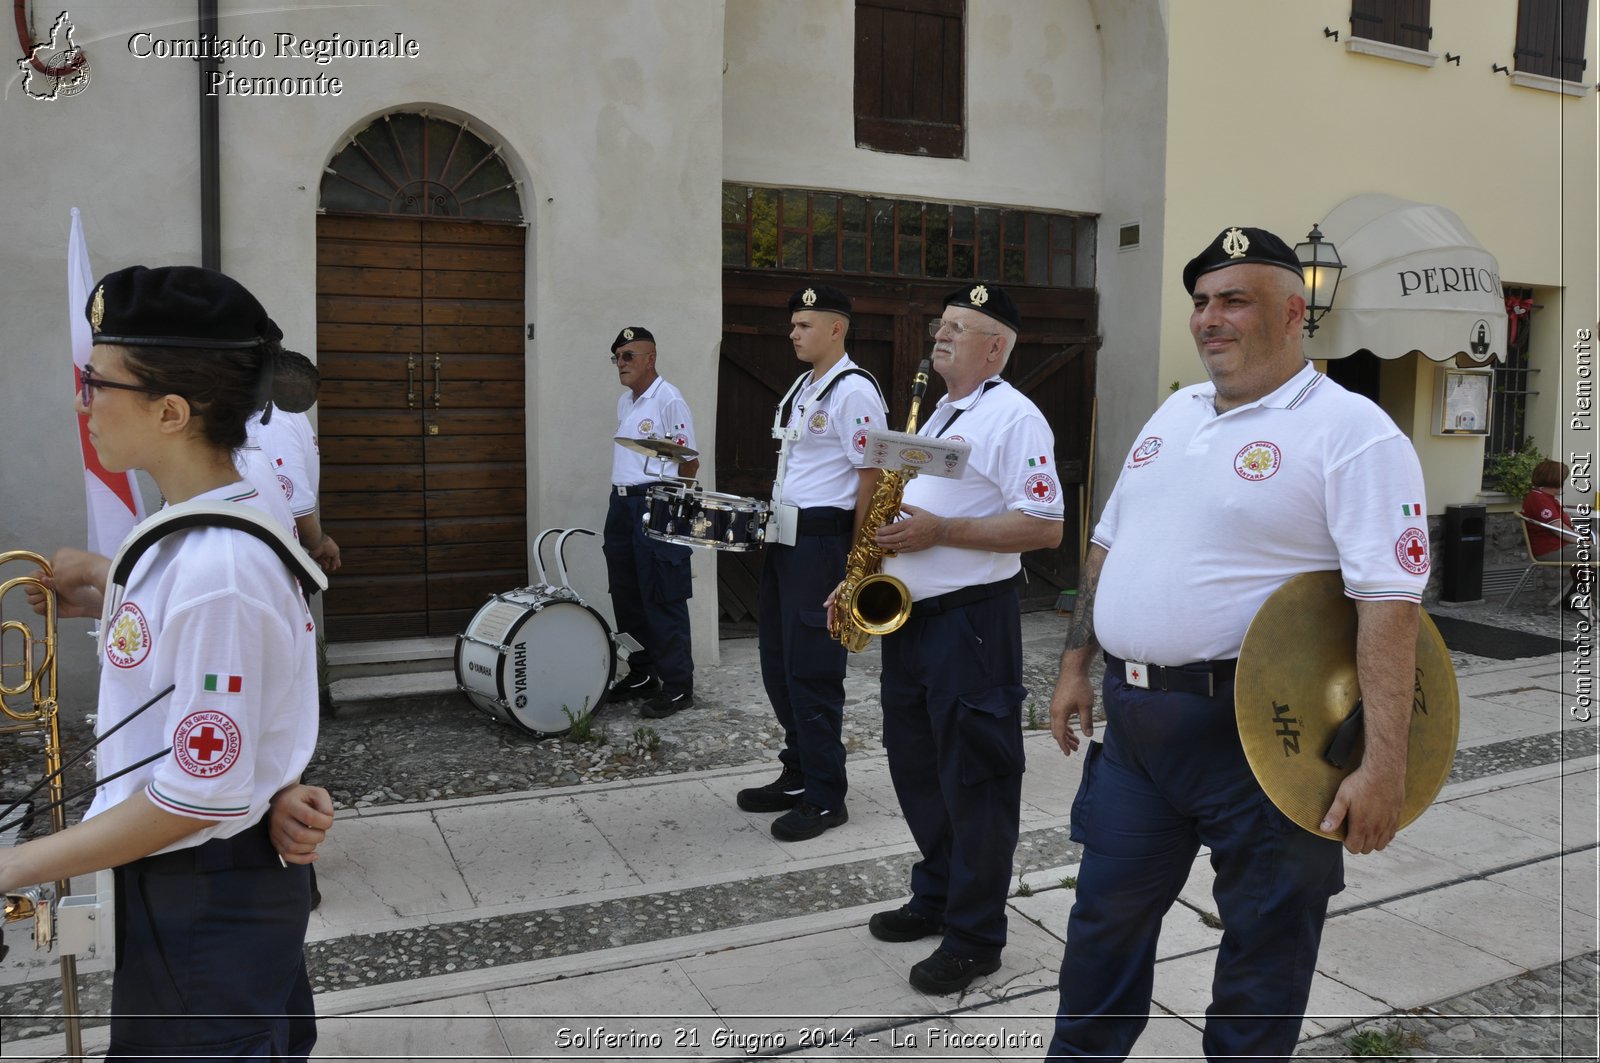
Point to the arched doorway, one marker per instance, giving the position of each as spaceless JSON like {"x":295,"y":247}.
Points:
{"x":421,"y":254}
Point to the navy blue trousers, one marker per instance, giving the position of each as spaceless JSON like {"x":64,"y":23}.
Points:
{"x":211,"y":964}
{"x":802,"y":666}
{"x":1170,"y":777}
{"x":952,"y":725}
{"x":650,"y":590}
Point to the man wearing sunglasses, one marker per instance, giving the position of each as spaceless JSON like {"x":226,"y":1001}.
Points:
{"x":650,"y":581}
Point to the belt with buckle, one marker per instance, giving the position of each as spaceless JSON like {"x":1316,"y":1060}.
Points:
{"x":1201,"y":677}
{"x":634,"y":490}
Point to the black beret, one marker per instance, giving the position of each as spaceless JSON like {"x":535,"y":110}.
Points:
{"x":987,"y":299}
{"x":1236,"y":247}
{"x":820,"y":297}
{"x":177,"y":306}
{"x":631,"y":333}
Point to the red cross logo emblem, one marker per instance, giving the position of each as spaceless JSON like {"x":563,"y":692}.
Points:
{"x":206,"y":743}
{"x":1041,"y":487}
{"x":1411,"y":550}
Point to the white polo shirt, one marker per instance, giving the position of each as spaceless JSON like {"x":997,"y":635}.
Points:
{"x":828,"y":436}
{"x":660,"y":413}
{"x":257,"y":469}
{"x":290,"y":448}
{"x":215,"y":612}
{"x":1213,"y":512}
{"x":1012,"y":467}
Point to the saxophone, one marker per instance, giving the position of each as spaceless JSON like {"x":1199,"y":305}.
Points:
{"x":870,"y":602}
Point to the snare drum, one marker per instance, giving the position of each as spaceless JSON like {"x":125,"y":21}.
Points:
{"x":704,"y":518}
{"x":529,"y":657}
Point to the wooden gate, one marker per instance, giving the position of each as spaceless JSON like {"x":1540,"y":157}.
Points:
{"x":421,"y":428}
{"x":1053,"y":364}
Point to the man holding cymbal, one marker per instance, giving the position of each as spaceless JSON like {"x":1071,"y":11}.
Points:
{"x":1281,"y":472}
{"x":650,"y":579}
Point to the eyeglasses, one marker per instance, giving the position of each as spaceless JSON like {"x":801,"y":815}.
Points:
{"x":939,"y":324}
{"x":86,"y":391}
{"x":622,"y":356}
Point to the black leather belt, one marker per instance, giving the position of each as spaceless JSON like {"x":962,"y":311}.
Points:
{"x":634,"y":490}
{"x":825,"y":520}
{"x":1201,"y":677}
{"x":252,"y":848}
{"x":943,"y":603}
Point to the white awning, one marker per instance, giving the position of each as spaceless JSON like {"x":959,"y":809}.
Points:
{"x":1415,"y":279}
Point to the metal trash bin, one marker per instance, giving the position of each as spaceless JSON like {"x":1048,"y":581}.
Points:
{"x":1462,"y":579}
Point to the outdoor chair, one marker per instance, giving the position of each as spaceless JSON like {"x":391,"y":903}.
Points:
{"x":1534,"y":563}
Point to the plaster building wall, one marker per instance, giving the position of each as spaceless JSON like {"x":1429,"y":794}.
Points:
{"x":1066,"y":110}
{"x":1274,"y":124}
{"x":1033,"y":102}
{"x":1133,"y":36}
{"x":608,"y":113}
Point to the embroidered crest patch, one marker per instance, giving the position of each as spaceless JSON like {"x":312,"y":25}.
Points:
{"x":129,"y":642}
{"x":1041,"y":487}
{"x":1145,"y":452}
{"x":206,"y":743}
{"x":1411,"y":550}
{"x":859,"y":440}
{"x":817,"y":423}
{"x":1257,"y":461}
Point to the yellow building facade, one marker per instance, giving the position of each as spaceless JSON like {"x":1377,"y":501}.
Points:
{"x":1277,"y":115}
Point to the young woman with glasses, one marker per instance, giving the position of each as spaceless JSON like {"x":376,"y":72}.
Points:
{"x":210,"y":911}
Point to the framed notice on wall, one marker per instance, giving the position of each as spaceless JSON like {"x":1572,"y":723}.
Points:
{"x":1461,"y":402}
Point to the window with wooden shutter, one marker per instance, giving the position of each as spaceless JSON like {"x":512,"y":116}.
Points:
{"x":1550,"y":38}
{"x":911,"y":76}
{"x":1399,"y":22}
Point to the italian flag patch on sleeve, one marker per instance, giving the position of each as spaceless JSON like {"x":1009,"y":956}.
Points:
{"x":223,"y":684}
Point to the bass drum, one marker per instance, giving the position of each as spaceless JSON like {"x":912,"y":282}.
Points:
{"x":529,"y":658}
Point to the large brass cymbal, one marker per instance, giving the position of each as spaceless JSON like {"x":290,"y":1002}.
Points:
{"x":658,"y":448}
{"x":1296,"y":685}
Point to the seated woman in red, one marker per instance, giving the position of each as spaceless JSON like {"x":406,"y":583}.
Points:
{"x":1543,"y":504}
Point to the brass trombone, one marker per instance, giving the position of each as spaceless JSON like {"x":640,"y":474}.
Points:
{"x":28,"y":704}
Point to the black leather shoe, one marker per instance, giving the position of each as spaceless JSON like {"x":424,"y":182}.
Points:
{"x":634,"y":685}
{"x":903,"y":924}
{"x":779,"y":795}
{"x":945,"y":973}
{"x":806,"y":820}
{"x":664,"y":705}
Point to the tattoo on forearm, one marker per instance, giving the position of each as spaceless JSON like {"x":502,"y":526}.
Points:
{"x":1080,"y":632}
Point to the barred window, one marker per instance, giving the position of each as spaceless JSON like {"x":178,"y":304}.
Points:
{"x":411,"y":164}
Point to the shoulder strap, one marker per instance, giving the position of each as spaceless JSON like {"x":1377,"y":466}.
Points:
{"x":208,"y":514}
{"x":854,"y":371}
{"x":787,"y":404}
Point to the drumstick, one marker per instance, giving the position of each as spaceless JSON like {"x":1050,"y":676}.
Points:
{"x":80,"y":753}
{"x":152,"y":758}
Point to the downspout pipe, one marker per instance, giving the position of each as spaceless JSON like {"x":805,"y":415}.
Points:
{"x":210,"y":145}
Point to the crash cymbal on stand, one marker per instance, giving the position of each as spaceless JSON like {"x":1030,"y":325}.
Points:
{"x":1296,"y":686}
{"x":658,"y":448}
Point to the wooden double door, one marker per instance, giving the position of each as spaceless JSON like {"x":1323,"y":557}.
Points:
{"x":1053,"y":364}
{"x":421,"y":427}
